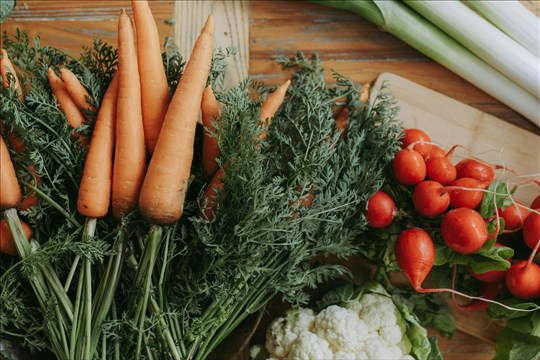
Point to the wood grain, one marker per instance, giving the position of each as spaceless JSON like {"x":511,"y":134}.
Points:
{"x":232,"y":30}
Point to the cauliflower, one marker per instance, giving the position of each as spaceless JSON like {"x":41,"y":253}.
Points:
{"x":310,"y":346}
{"x":282,"y":332}
{"x":342,"y":328}
{"x":369,"y":328}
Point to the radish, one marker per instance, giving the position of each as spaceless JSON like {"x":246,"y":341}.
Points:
{"x":415,"y":254}
{"x":476,"y":169}
{"x":491,"y":276}
{"x":436,"y":151}
{"x":536,"y":202}
{"x":513,"y":216}
{"x":523,"y":280}
{"x":380,"y":210}
{"x":440,"y":169}
{"x":420,"y":140}
{"x":429,"y":199}
{"x":464,"y":230}
{"x":531,"y":229}
{"x":466,"y":192}
{"x":409,"y":167}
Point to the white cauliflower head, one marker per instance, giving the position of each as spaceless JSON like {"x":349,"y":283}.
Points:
{"x":309,"y":346}
{"x":282,"y":332}
{"x":342,"y":328}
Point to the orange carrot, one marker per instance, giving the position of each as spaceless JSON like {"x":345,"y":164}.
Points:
{"x":7,"y":245}
{"x":364,"y":94}
{"x":210,"y":147}
{"x":95,"y":188}
{"x":74,"y":116}
{"x":78,"y":93}
{"x":154,"y":87}
{"x":10,"y":192}
{"x":209,"y":200}
{"x":7,"y":67}
{"x":341,"y":121}
{"x":130,"y":153}
{"x":165,"y":184}
{"x":271,"y":105}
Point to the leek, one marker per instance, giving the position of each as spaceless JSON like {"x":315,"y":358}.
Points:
{"x":515,"y":20}
{"x":410,"y":27}
{"x":484,"y":40}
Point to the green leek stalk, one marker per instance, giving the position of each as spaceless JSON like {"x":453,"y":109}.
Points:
{"x":514,"y":19}
{"x":484,"y":40}
{"x":410,"y":27}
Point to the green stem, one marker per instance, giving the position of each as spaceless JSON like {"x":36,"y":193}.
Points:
{"x":51,"y":202}
{"x":75,"y":325}
{"x":88,"y":233}
{"x":71,"y":273}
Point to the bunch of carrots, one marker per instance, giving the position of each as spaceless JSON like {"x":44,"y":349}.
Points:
{"x":462,"y":209}
{"x":138,"y":158}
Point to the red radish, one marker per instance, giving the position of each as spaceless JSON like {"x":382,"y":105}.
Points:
{"x":436,"y":151}
{"x":415,"y":254}
{"x":536,"y":203}
{"x":523,"y":280}
{"x":531,"y":229}
{"x":476,"y":169}
{"x":463,"y":192}
{"x":409,"y":167}
{"x":7,"y":244}
{"x":380,"y":210}
{"x":514,"y":215}
{"x":429,"y":199}
{"x":492,"y":276}
{"x":440,"y":169}
{"x":421,"y":141}
{"x":464,"y":230}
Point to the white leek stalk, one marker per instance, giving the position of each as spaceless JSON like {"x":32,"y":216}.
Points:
{"x":484,"y":40}
{"x":514,"y":19}
{"x":407,"y":25}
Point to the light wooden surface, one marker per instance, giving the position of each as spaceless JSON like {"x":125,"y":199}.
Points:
{"x":344,"y":41}
{"x":232,"y":30}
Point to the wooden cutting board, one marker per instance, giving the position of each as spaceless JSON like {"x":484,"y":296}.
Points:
{"x":486,"y":137}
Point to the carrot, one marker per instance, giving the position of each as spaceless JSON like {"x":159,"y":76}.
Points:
{"x":10,"y":192}
{"x":74,"y":116}
{"x":271,"y":105}
{"x":164,"y":189}
{"x":154,"y":87}
{"x":7,"y":244}
{"x":210,"y":147}
{"x":78,"y":93}
{"x":7,"y":67}
{"x":341,"y":121}
{"x":209,"y":200}
{"x":364,"y":94}
{"x":95,"y":188}
{"x":130,"y":153}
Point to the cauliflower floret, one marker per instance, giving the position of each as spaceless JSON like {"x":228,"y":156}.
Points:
{"x":282,"y":332}
{"x":377,"y":349}
{"x":345,"y":355}
{"x":391,"y":334}
{"x":309,"y":346}
{"x":341,"y":327}
{"x":378,"y":311}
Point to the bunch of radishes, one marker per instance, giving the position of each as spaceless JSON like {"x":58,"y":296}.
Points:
{"x":446,"y":196}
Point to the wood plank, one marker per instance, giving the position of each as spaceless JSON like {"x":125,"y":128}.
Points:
{"x":232,"y":30}
{"x":69,"y":25}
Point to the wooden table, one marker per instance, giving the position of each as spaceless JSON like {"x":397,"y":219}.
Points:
{"x":344,"y":41}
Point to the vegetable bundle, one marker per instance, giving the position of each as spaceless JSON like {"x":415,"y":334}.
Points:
{"x":149,"y":247}
{"x":456,"y":225}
